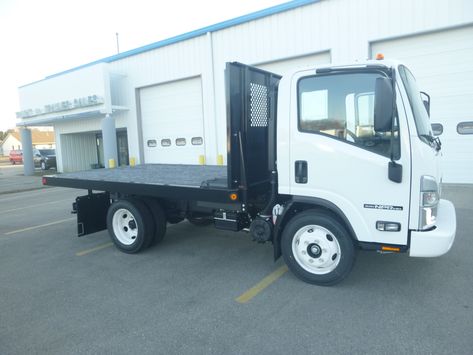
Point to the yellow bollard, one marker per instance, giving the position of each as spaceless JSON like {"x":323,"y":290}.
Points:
{"x":220,"y":159}
{"x":202,"y":159}
{"x":111,"y":163}
{"x":132,"y":161}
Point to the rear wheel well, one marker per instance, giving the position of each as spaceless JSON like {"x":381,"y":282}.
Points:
{"x":297,"y":207}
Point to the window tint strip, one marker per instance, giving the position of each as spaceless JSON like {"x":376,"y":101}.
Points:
{"x":465,"y":127}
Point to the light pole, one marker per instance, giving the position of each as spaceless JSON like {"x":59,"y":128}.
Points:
{"x":118,"y":47}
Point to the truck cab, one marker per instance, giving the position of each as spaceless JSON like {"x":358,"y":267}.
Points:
{"x":354,"y":143}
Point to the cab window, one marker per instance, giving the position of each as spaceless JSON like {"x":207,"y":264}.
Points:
{"x":341,"y":106}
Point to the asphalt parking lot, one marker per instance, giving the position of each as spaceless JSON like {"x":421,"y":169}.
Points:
{"x":204,"y":291}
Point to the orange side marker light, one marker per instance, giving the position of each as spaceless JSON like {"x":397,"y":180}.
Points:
{"x":386,"y":248}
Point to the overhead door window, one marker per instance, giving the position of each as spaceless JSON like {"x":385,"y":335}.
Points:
{"x":437,"y":129}
{"x":465,"y":128}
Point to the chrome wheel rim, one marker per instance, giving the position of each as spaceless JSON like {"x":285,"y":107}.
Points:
{"x":125,"y":226}
{"x":316,"y":249}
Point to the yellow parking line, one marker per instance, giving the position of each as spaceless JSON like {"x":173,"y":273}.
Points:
{"x":38,"y":205}
{"x":40,"y":226}
{"x":260,"y":286}
{"x":99,"y":247}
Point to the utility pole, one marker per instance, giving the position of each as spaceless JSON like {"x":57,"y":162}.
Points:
{"x":118,"y":47}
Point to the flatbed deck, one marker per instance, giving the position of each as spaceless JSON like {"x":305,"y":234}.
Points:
{"x":194,"y":182}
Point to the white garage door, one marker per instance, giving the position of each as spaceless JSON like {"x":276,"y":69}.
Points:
{"x":311,"y":60}
{"x":443,"y":66}
{"x":172,"y":122}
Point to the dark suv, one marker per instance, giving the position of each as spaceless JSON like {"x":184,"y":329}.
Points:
{"x":44,"y":158}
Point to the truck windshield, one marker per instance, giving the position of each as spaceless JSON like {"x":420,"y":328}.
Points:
{"x":421,"y":118}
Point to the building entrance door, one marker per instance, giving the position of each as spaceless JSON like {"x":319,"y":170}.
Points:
{"x":122,"y":149}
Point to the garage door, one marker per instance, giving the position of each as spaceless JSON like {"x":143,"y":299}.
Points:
{"x":172,"y":122}
{"x":442,"y":65}
{"x":281,"y":66}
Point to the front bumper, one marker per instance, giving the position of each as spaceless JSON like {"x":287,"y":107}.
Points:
{"x":437,"y":241}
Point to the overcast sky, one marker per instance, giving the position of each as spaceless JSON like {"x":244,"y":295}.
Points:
{"x":43,"y":37}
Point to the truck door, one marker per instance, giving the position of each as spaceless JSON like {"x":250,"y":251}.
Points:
{"x":336,"y":156}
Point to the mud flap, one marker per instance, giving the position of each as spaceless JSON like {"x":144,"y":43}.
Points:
{"x":91,"y":213}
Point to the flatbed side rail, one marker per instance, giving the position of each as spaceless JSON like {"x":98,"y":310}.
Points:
{"x":161,"y":191}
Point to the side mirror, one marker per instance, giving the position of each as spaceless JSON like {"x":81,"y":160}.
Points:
{"x":383,"y":105}
{"x":426,"y":100}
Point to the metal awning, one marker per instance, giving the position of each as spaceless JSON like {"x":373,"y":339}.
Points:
{"x":49,"y":120}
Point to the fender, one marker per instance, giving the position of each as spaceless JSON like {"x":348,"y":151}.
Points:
{"x":301,"y":203}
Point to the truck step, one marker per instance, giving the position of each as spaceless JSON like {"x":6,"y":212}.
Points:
{"x":231,"y":220}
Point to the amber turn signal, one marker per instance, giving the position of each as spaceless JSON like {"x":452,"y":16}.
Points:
{"x":386,"y":248}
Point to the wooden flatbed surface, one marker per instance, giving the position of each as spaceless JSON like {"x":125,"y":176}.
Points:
{"x":205,"y":176}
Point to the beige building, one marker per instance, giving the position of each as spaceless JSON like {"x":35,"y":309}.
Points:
{"x":41,"y":140}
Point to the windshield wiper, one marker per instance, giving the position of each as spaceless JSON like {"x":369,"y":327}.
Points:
{"x":434,"y":141}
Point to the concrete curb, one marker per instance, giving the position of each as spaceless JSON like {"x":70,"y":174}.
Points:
{"x":23,"y":190}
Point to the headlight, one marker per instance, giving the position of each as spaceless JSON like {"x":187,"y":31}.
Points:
{"x":429,"y":199}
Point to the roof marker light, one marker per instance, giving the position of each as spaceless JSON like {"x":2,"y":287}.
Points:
{"x":379,"y":56}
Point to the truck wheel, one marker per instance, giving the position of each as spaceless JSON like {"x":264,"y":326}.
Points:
{"x":130,"y":225}
{"x":159,"y":218}
{"x":317,"y":248}
{"x":200,"y":221}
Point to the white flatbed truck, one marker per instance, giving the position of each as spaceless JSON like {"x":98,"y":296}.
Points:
{"x":321,"y":163}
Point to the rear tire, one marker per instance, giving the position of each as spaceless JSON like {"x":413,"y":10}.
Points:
{"x":130,"y":225}
{"x":159,"y":218}
{"x":317,"y":248}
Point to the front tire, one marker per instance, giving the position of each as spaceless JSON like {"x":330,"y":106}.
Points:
{"x":317,"y":248}
{"x":130,"y":225}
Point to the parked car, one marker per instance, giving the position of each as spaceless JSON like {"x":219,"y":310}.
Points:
{"x":16,"y":157}
{"x":44,"y":158}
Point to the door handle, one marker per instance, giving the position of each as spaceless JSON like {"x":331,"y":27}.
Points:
{"x":301,"y":171}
